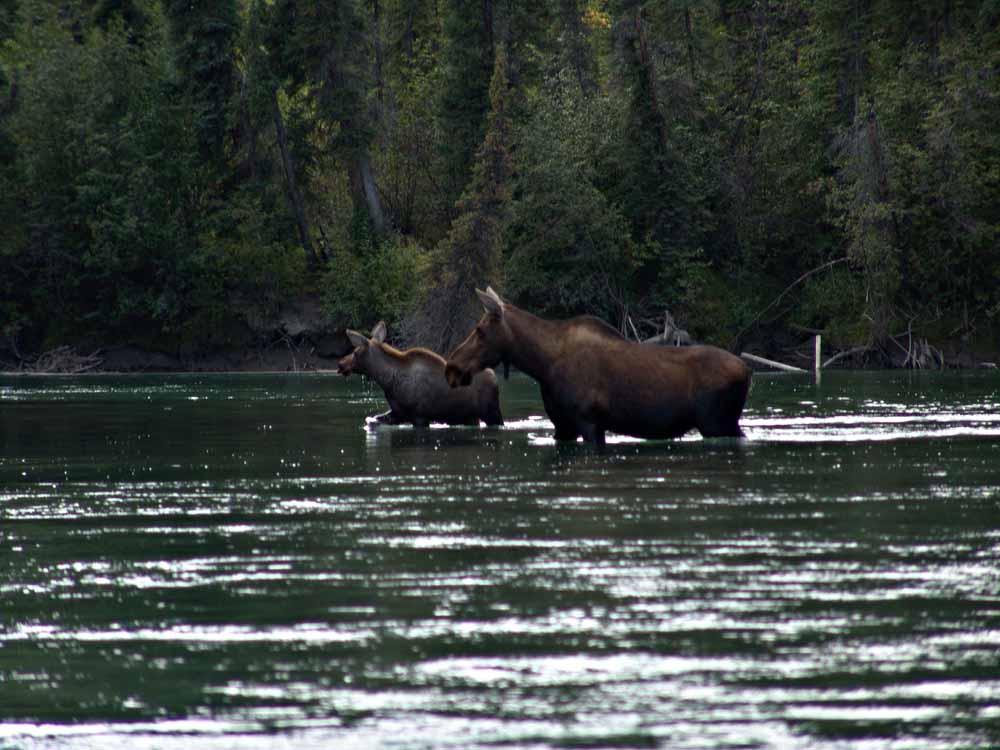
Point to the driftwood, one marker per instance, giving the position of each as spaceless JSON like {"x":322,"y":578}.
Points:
{"x":64,"y":360}
{"x":920,"y":355}
{"x":672,"y":335}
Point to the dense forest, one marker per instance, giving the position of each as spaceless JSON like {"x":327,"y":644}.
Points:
{"x":174,"y":173}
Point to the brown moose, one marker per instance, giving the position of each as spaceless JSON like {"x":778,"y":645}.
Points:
{"x":593,"y":380}
{"x":415,"y":387}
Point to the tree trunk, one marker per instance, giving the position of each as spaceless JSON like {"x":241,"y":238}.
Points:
{"x":379,"y":63}
{"x":365,"y":191}
{"x":646,"y":70}
{"x":689,"y":31}
{"x":313,"y":258}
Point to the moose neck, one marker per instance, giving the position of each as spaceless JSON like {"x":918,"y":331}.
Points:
{"x":383,"y":365}
{"x":535,"y":342}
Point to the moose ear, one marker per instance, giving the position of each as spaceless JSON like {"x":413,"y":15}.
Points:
{"x":491,"y":301}
{"x":356,"y":339}
{"x":378,"y":332}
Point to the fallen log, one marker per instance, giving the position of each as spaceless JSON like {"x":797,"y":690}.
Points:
{"x":770,"y":363}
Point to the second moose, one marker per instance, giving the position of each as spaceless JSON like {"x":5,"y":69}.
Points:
{"x":415,"y":387}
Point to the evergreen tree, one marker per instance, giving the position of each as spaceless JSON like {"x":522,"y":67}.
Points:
{"x":324,"y":47}
{"x":466,"y":62}
{"x":105,"y":167}
{"x":470,"y":256}
{"x":663,"y":176}
{"x":266,"y":74}
{"x":869,"y":217}
{"x":567,"y":248}
{"x":407,"y":160}
{"x":202,"y":36}
{"x":11,"y":308}
{"x":576,"y":53}
{"x":131,"y":13}
{"x":756,"y":167}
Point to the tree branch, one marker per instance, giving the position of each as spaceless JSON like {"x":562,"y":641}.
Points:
{"x":785,"y":291}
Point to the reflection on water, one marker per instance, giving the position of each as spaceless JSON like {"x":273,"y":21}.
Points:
{"x":240,"y":561}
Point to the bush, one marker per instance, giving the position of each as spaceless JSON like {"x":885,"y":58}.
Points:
{"x":381,"y":283}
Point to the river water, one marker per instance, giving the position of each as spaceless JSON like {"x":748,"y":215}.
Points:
{"x":237,"y":561}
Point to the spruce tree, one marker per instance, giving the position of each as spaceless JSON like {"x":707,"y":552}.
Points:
{"x":202,"y":35}
{"x":466,"y":61}
{"x":470,"y":256}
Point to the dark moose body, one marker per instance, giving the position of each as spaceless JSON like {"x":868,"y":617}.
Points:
{"x":593,"y":380}
{"x":415,"y":386}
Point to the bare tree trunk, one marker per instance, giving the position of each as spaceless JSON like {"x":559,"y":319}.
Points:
{"x":377,"y":43}
{"x":295,"y":198}
{"x":689,"y":31}
{"x":365,"y":190}
{"x":648,"y":72}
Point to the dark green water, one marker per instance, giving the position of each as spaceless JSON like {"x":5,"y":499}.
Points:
{"x":198,"y":562}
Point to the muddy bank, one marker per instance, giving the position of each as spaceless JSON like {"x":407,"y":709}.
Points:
{"x":300,"y":338}
{"x":281,"y":356}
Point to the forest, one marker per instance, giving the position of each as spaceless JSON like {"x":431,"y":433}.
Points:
{"x":175,"y":173}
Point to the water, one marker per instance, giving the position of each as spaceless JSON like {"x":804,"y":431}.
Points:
{"x":208,"y":562}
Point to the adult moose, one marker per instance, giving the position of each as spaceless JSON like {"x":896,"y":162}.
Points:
{"x":414,"y":384}
{"x":593,"y":380}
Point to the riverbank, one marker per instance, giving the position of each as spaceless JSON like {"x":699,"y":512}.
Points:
{"x":309,"y":353}
{"x":299,"y":337}
{"x":276,"y":356}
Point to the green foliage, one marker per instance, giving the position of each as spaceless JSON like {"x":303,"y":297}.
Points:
{"x":662,"y":172}
{"x":102,"y":164}
{"x":713,"y":309}
{"x":466,"y":66}
{"x":202,"y":36}
{"x":864,"y":201}
{"x":130,"y":13}
{"x":250,"y":264}
{"x":405,"y":154}
{"x":469,"y":257}
{"x":128,"y":236}
{"x":380,"y":284}
{"x":167,"y":169}
{"x":947,"y":171}
{"x":834,"y":302}
{"x":567,"y":248}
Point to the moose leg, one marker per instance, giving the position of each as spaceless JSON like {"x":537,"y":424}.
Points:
{"x":592,"y":433}
{"x":719,"y":414}
{"x":565,"y":427}
{"x":492,"y":416}
{"x":723,"y":430}
{"x":566,"y":431}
